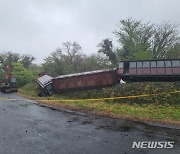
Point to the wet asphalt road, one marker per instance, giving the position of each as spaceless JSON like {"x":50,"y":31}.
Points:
{"x":28,"y":128}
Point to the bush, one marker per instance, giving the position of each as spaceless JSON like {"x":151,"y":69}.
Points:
{"x":131,"y":89}
{"x":22,"y":74}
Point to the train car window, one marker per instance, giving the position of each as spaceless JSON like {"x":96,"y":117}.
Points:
{"x":126,"y":67}
{"x":176,"y":63}
{"x":153,"y":63}
{"x":160,"y":64}
{"x":139,"y":64}
{"x":146,"y":64}
{"x":121,"y":65}
{"x":132,"y":64}
{"x":168,"y":63}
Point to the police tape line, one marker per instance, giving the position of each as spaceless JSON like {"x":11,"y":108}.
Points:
{"x":2,"y":99}
{"x":7,"y":99}
{"x":110,"y":98}
{"x":97,"y":99}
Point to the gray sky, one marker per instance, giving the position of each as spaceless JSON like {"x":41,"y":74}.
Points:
{"x":38,"y":27}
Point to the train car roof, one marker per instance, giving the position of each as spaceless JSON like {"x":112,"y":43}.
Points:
{"x":44,"y":80}
{"x":148,"y":60}
{"x":83,"y":73}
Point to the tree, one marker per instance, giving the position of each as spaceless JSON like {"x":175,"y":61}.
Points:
{"x":174,"y":51}
{"x":27,"y":60}
{"x":17,"y":65}
{"x":2,"y":74}
{"x":53,"y":64}
{"x":145,"y":41}
{"x":35,"y":69}
{"x":106,"y":47}
{"x":23,"y":75}
{"x":95,"y":62}
{"x":165,"y":39}
{"x":67,"y":59}
{"x":8,"y":58}
{"x":135,"y":39}
{"x":72,"y":56}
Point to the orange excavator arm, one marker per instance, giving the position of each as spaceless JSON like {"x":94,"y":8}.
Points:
{"x":8,"y":72}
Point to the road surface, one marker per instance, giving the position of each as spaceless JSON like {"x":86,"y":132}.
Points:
{"x":28,"y":128}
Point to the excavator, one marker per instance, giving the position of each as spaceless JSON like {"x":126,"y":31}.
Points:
{"x":9,"y":83}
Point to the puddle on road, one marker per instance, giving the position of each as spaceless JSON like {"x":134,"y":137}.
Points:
{"x":122,"y":128}
{"x":120,"y":125}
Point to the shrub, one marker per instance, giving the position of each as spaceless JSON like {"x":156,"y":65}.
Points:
{"x":22,"y":74}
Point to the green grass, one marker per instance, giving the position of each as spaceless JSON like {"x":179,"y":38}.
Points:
{"x":163,"y":108}
{"x":149,"y":111}
{"x":30,"y":89}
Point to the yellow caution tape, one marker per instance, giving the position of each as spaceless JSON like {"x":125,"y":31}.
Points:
{"x":2,"y":99}
{"x":101,"y":99}
{"x":112,"y":98}
{"x":7,"y":99}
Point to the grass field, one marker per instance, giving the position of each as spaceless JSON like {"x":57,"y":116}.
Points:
{"x":163,"y":108}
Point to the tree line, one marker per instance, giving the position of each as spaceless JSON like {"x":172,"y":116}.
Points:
{"x":137,"y":41}
{"x":20,"y":66}
{"x":140,"y":41}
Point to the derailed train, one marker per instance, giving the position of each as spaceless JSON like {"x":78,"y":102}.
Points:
{"x":146,"y":70}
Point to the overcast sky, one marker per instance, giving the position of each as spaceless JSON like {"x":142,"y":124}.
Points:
{"x":38,"y":27}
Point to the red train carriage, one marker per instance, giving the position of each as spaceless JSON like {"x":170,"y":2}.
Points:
{"x":150,"y":70}
{"x":85,"y":80}
{"x":144,"y":70}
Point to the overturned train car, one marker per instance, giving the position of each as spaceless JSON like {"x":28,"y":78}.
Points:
{"x":85,"y":80}
{"x":77,"y":81}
